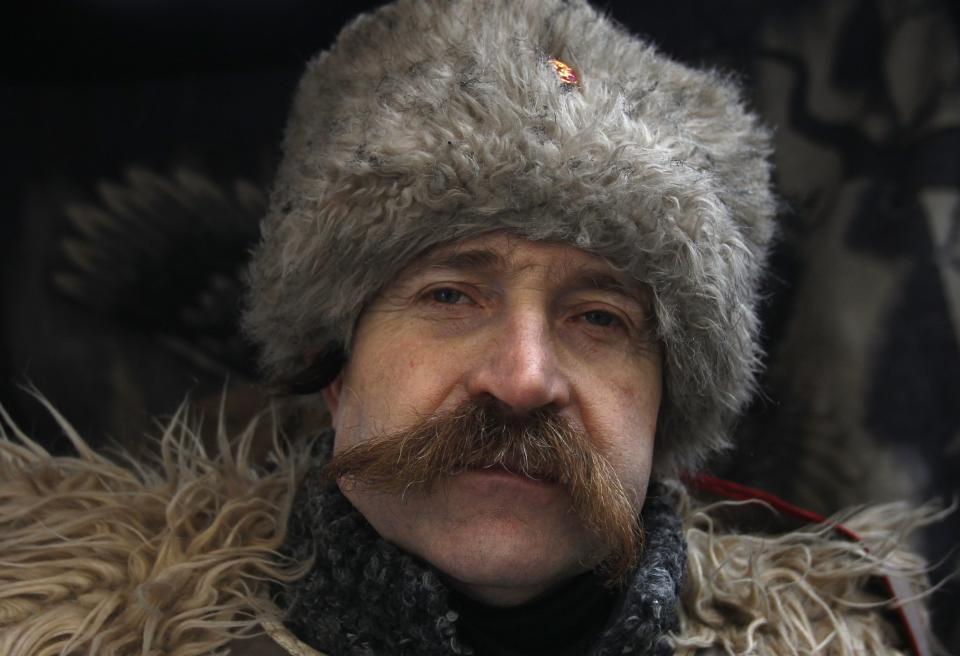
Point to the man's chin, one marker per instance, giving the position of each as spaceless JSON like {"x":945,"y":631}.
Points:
{"x":503,"y":578}
{"x":508,"y":558}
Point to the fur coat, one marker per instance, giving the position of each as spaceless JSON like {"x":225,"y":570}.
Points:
{"x":173,"y":554}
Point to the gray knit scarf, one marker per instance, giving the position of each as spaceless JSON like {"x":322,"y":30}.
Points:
{"x":366,"y":597}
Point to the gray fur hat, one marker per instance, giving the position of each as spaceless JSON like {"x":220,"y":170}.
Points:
{"x":430,"y":121}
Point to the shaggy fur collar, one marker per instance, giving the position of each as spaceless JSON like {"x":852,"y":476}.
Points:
{"x":364,"y":596}
{"x":174,"y":555}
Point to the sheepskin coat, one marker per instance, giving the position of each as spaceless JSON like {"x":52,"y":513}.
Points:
{"x":175,"y":554}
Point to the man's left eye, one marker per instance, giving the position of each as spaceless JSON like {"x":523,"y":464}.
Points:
{"x":600,"y":318}
{"x":447,"y":296}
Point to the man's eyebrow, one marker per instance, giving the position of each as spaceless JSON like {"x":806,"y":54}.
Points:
{"x":606,"y":282}
{"x":466,"y":260}
{"x":481,"y":260}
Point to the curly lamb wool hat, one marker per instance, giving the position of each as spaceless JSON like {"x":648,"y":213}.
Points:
{"x":431,"y":121}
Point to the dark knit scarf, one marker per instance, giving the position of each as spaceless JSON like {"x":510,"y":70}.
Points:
{"x":366,"y":597}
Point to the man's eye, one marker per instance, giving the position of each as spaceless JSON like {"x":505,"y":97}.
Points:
{"x":600,"y":318}
{"x":447,"y":296}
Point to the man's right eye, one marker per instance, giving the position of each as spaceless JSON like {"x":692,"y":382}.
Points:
{"x":447,"y":296}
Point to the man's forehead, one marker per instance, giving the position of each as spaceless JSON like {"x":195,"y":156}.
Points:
{"x":508,"y":253}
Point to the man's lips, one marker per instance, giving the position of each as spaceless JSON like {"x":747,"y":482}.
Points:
{"x":507,"y":471}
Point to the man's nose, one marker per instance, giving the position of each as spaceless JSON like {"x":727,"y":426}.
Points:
{"x":520,"y":367}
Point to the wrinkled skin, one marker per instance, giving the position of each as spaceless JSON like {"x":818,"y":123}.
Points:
{"x":529,"y":325}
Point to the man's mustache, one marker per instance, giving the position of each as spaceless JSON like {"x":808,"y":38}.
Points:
{"x":541,"y":445}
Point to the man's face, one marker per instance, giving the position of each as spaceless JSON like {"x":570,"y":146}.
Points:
{"x":525,"y":326}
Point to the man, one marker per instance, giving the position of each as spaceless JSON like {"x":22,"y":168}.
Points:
{"x":518,"y":251}
{"x":517,"y":210}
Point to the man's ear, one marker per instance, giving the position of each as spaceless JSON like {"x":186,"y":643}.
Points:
{"x":331,"y":396}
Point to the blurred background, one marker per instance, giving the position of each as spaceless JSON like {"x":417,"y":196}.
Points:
{"x":139,"y":139}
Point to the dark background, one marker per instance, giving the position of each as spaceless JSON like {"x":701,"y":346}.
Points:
{"x":138,"y":139}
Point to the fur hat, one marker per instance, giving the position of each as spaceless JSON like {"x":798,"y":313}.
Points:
{"x":431,"y":121}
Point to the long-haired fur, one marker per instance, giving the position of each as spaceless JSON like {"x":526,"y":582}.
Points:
{"x":169,"y":556}
{"x":173,"y":556}
{"x":807,"y":591}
